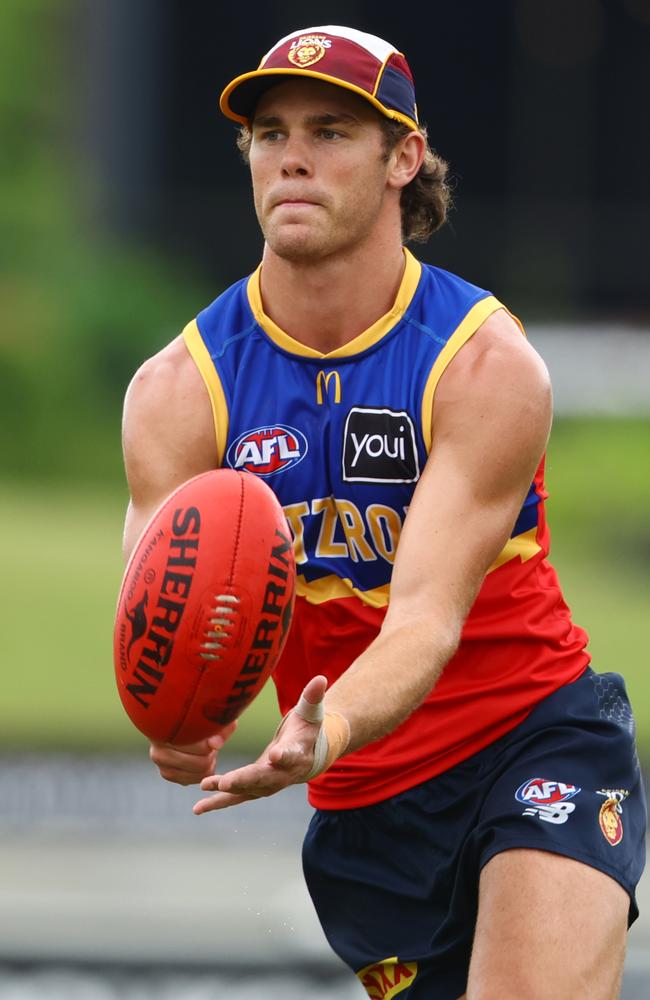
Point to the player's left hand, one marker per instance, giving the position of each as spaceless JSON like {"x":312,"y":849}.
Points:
{"x":287,"y":760}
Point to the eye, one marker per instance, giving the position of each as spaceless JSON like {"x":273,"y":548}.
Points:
{"x":329,"y":134}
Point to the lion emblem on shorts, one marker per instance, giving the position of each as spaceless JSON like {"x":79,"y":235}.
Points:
{"x":610,"y":815}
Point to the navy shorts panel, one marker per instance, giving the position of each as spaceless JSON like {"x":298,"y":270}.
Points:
{"x":400,"y":878}
{"x":576,"y":779}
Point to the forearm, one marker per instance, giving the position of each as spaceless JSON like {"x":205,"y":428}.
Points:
{"x":384,"y":685}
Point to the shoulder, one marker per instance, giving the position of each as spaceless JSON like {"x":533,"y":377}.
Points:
{"x":164,"y":385}
{"x":497,"y":353}
{"x":497,"y":383}
{"x":448,"y":290}
{"x":161,"y":372}
{"x":447,"y":304}
{"x":168,"y":429}
{"x":227,"y":315}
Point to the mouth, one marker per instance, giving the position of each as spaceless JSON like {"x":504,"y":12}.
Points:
{"x":295,"y":203}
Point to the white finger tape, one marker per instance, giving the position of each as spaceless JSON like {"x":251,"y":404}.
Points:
{"x":310,"y":712}
{"x":320,"y":754}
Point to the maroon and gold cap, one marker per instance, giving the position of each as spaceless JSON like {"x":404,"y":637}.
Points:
{"x":362,"y":63}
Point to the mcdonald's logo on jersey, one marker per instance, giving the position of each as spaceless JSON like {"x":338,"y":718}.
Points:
{"x":323,"y":380}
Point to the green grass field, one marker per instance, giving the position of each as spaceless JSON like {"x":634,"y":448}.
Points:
{"x":62,"y":569}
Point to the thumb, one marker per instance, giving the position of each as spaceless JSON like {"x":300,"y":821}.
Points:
{"x":309,"y":706}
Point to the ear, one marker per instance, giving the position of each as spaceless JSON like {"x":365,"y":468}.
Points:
{"x":406,"y":159}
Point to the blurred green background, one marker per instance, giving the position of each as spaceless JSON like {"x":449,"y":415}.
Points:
{"x":91,"y":288}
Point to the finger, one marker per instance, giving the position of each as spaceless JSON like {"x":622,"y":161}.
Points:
{"x":222,"y":800}
{"x":243,"y":780}
{"x":254,"y":781}
{"x":180,"y":777}
{"x":165,"y":754}
{"x":198,"y":749}
{"x":217,"y":741}
{"x":314,"y":690}
{"x":193,"y":766}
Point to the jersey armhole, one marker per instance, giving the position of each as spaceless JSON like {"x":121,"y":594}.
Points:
{"x":465,"y":329}
{"x":201,"y":356}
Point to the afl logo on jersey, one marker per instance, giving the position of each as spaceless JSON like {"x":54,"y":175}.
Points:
{"x":267,"y":450}
{"x":379,"y":447}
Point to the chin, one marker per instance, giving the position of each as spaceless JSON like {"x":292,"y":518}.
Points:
{"x":297,"y":246}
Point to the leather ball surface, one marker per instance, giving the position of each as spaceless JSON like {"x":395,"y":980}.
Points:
{"x":204,"y":608}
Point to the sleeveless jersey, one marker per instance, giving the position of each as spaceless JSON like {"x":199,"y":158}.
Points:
{"x":342,"y":439}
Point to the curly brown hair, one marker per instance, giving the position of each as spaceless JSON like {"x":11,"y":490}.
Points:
{"x":426,"y":200}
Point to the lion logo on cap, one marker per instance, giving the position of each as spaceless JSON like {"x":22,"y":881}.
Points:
{"x":308,"y":49}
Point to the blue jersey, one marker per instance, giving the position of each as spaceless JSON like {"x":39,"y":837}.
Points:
{"x":342,"y":439}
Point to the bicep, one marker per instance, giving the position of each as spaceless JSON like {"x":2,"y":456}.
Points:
{"x":167,"y":434}
{"x":491,"y":422}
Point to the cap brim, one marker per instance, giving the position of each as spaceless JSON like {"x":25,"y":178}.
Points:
{"x":239,"y":99}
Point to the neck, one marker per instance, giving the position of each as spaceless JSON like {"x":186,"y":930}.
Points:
{"x":326,"y":304}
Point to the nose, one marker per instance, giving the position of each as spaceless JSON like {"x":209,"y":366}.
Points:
{"x":295,"y":158}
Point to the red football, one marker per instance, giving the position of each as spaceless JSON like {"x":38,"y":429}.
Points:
{"x":205,"y":607}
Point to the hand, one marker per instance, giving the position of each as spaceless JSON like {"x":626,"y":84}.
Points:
{"x":287,"y":760}
{"x":187,"y":765}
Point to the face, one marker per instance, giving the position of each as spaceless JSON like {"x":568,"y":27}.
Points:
{"x":318,"y":169}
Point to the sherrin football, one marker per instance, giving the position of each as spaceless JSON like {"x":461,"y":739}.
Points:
{"x":204,"y":608}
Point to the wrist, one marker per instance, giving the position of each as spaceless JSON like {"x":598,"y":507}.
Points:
{"x":331,"y":743}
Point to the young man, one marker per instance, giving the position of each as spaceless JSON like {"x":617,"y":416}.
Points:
{"x":479,"y":811}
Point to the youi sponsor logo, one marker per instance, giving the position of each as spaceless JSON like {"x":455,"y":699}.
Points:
{"x":379,"y":446}
{"x":267,"y":450}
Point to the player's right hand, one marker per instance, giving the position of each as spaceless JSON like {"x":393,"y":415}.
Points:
{"x":188,"y":765}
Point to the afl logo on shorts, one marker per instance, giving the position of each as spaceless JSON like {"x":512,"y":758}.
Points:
{"x":547,"y":800}
{"x":542,"y":792}
{"x":267,"y":450}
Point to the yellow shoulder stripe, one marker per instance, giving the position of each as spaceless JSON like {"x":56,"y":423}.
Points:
{"x":196,"y":346}
{"x":465,"y":329}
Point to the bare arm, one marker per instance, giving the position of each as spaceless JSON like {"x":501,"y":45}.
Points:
{"x":492,"y":416}
{"x":168,"y":437}
{"x":167,"y":433}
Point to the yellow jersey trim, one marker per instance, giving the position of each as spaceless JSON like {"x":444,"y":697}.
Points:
{"x":465,"y":329}
{"x":369,"y":337}
{"x":332,"y":588}
{"x":525,"y":546}
{"x":196,"y":346}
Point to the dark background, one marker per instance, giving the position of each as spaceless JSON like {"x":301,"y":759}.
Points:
{"x":541,"y":109}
